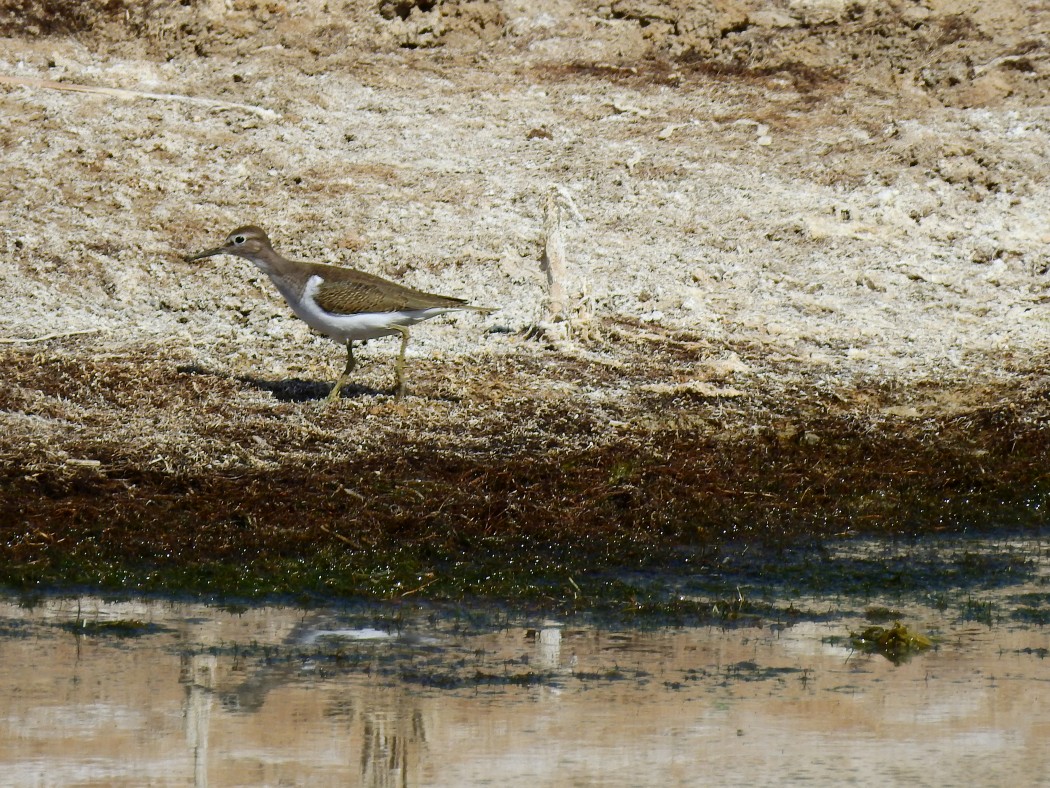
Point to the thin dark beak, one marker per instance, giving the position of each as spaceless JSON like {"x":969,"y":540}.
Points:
{"x":209,"y":253}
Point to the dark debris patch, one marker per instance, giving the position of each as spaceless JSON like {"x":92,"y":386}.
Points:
{"x":118,"y":628}
{"x":15,"y":628}
{"x":1039,"y":616}
{"x":752,"y":671}
{"x":1041,"y":653}
{"x":980,"y":610}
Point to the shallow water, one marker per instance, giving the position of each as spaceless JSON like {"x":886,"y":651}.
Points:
{"x":151,"y":692}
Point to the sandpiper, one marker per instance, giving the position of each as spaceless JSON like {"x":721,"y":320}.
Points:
{"x":343,"y":303}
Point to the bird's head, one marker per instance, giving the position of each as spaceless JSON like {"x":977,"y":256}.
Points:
{"x":248,"y":241}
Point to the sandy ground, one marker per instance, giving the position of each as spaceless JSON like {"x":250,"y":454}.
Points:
{"x":772,"y":213}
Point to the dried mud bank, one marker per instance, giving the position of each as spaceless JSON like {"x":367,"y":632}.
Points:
{"x":806,"y":255}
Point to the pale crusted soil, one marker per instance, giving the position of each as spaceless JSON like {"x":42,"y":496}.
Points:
{"x":798,"y":223}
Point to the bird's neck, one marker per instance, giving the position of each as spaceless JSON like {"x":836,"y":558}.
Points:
{"x":270,"y":263}
{"x":289,"y":276}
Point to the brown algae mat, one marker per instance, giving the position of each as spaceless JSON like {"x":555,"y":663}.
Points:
{"x":161,"y":475}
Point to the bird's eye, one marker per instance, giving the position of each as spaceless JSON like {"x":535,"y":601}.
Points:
{"x":238,"y":239}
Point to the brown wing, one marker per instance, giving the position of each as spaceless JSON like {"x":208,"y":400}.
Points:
{"x":350,"y":292}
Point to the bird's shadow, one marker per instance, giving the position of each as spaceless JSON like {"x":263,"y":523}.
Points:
{"x":299,"y":390}
{"x":291,"y":389}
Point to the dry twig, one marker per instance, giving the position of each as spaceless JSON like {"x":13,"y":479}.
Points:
{"x":47,"y":337}
{"x":48,"y":84}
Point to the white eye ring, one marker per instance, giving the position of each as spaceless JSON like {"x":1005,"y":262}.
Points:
{"x":238,"y":239}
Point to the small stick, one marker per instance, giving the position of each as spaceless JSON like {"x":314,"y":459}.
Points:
{"x":48,"y":337}
{"x":340,"y":537}
{"x":420,"y":588}
{"x":553,"y":260}
{"x":48,"y":84}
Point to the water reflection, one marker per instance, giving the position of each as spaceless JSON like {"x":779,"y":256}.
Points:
{"x":148,"y":692}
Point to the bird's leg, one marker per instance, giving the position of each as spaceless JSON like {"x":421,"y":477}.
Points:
{"x":399,"y":368}
{"x":350,"y":364}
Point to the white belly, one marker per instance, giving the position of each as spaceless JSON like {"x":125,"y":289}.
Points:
{"x":342,"y":328}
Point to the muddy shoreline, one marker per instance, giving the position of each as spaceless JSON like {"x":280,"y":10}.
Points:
{"x":381,"y":497}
